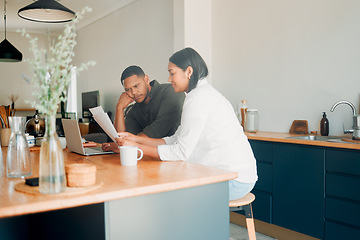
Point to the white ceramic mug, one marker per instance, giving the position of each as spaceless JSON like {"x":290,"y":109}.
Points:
{"x":128,"y":155}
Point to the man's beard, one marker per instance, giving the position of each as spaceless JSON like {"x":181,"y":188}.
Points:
{"x":147,"y":96}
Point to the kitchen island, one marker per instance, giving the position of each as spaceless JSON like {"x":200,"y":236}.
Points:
{"x":154,"y":200}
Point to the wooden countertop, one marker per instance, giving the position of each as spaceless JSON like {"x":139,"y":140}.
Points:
{"x":149,"y":176}
{"x":283,"y":137}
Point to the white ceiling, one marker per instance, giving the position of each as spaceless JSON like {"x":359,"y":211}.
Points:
{"x":100,"y":8}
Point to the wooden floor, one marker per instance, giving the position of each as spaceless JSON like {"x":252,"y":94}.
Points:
{"x":240,"y":233}
{"x":270,"y":229}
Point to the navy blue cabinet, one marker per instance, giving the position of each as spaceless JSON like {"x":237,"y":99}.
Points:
{"x":298,"y":188}
{"x":342,"y":211}
{"x":262,"y":205}
{"x":309,"y":189}
{"x":290,"y":189}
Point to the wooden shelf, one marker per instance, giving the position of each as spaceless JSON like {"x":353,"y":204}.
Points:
{"x":23,"y":109}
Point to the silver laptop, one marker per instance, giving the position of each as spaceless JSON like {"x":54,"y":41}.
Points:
{"x":73,"y":139}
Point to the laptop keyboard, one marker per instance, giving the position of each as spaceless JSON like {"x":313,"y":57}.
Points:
{"x":93,"y":150}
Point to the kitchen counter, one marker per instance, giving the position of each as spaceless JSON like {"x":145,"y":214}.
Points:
{"x":152,"y":185}
{"x":283,"y":137}
{"x":150,"y":176}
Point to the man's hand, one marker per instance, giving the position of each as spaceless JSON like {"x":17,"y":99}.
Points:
{"x":110,"y":147}
{"x":123,"y":101}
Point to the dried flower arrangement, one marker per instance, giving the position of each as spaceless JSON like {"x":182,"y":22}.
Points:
{"x":52,"y":68}
{"x":13,"y":98}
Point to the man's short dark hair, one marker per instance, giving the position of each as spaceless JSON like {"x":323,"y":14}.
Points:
{"x":130,"y":71}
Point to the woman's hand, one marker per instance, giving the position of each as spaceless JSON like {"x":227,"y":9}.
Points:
{"x":148,"y":145}
{"x":126,"y":139}
{"x":127,"y":136}
{"x":124,"y":142}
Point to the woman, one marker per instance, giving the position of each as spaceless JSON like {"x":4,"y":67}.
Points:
{"x":209,"y":132}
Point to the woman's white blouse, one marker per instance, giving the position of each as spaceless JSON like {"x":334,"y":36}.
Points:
{"x":210,"y":134}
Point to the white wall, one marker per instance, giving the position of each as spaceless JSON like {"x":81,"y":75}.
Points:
{"x":141,"y":33}
{"x":11,"y":80}
{"x":290,"y":59}
{"x":198,"y":29}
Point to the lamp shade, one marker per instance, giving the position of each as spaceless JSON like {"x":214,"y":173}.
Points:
{"x":48,"y":11}
{"x":8,"y":53}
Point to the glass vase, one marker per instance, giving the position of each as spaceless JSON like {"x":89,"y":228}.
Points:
{"x":52,"y":170}
{"x":18,"y":161}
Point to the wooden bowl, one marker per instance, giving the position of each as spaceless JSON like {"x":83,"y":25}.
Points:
{"x":80,"y":175}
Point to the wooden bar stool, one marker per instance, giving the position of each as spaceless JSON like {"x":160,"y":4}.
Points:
{"x":244,"y":203}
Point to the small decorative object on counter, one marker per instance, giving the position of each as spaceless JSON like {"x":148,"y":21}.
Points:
{"x":35,"y":126}
{"x":80,"y":175}
{"x":252,"y":121}
{"x":299,"y":127}
{"x":18,"y":161}
{"x":324,"y":125}
{"x":243,"y":111}
{"x":13,"y":98}
{"x":30,"y":139}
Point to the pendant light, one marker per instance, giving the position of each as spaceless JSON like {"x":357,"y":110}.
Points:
{"x":47,"y":11}
{"x":8,"y":53}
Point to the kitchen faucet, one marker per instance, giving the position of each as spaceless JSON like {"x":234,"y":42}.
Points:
{"x":356,"y":119}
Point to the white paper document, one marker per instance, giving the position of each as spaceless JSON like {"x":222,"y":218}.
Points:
{"x":104,"y":121}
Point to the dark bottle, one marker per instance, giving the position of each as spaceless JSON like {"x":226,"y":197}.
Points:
{"x":324,"y":126}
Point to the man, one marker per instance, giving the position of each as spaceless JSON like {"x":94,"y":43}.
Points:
{"x":157,"y":110}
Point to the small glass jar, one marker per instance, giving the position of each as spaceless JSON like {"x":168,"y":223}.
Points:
{"x":252,"y":121}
